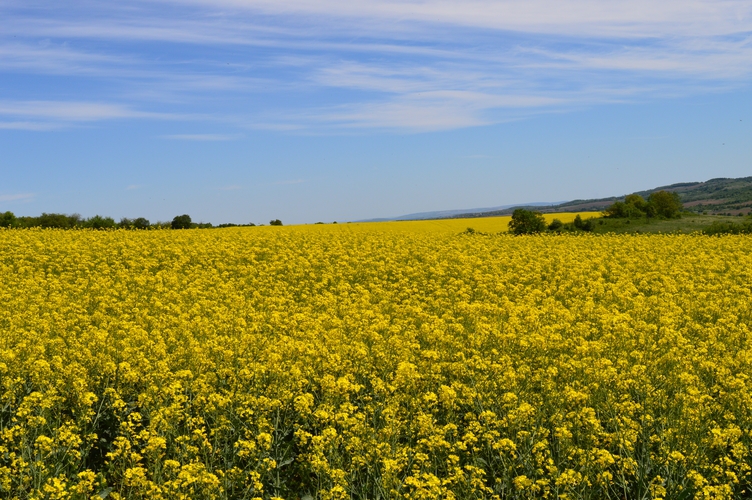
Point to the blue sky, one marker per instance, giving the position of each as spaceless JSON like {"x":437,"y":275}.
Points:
{"x":303,"y":110}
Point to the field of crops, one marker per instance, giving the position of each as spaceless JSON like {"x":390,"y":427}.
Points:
{"x":374,"y":361}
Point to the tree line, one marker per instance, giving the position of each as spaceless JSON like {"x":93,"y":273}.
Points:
{"x":661,"y":204}
{"x":75,"y":221}
{"x":530,"y":222}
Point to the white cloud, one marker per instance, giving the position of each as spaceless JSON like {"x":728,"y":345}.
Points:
{"x":73,"y":111}
{"x":28,"y":125}
{"x":202,"y":137}
{"x":427,"y":111}
{"x":16,"y":197}
{"x":636,"y":18}
{"x":404,"y":65}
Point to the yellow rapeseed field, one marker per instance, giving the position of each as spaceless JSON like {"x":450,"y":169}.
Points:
{"x":374,"y":361}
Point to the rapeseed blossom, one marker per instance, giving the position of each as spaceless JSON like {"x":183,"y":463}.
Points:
{"x":374,"y":361}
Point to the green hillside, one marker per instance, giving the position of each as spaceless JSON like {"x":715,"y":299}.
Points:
{"x":721,"y":196}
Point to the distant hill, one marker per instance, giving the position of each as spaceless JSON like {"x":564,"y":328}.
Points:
{"x":449,"y":214}
{"x":715,"y":196}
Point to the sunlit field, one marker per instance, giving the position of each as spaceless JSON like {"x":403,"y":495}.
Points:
{"x":374,"y":361}
{"x":481,"y":224}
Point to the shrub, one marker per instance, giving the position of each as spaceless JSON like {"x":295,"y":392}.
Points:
{"x":527,"y":222}
{"x":8,"y":219}
{"x":99,"y":222}
{"x":634,"y":206}
{"x":181,"y":222}
{"x":665,"y":204}
{"x":728,"y":227}
{"x":555,"y":225}
{"x":56,"y":220}
{"x":140,"y":223}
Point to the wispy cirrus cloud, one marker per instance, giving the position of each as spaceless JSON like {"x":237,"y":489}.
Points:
{"x":51,"y":115}
{"x":202,"y":137}
{"x":29,"y":125}
{"x":73,"y":111}
{"x":429,"y":111}
{"x":329,"y":65}
{"x":16,"y":197}
{"x":637,"y":18}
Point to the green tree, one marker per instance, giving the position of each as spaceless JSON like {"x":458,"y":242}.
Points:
{"x":140,"y":223}
{"x":555,"y":225}
{"x":99,"y":222}
{"x":527,"y":222}
{"x":8,"y":219}
{"x":584,"y":225}
{"x":634,"y":206}
{"x":58,"y":220}
{"x":664,"y":204}
{"x":181,"y":222}
{"x":275,"y":222}
{"x":636,"y":201}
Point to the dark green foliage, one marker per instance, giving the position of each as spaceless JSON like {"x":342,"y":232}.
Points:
{"x":728,"y":227}
{"x":8,"y":219}
{"x":230,"y":224}
{"x":275,"y":222}
{"x":583,"y":225}
{"x":99,"y":222}
{"x":181,"y":222}
{"x":665,"y":204}
{"x":527,"y":222}
{"x":634,"y":206}
{"x":140,"y":223}
{"x":60,"y":221}
{"x":555,"y":225}
{"x":636,"y":201}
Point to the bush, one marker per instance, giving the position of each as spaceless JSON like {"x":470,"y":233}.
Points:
{"x":727,"y":227}
{"x":56,"y":220}
{"x":275,"y":222}
{"x":665,"y":204}
{"x":634,"y":206}
{"x":8,"y":219}
{"x":659,"y":204}
{"x":584,"y":225}
{"x":527,"y":222}
{"x":555,"y":225}
{"x":140,"y":223}
{"x":181,"y":222}
{"x":99,"y":222}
